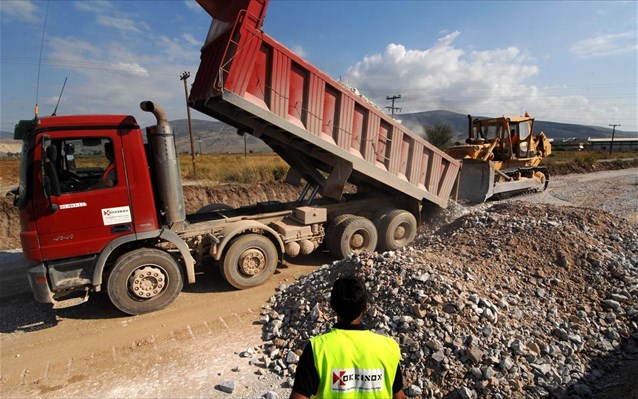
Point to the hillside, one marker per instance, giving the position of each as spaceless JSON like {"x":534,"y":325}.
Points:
{"x":458,"y":123}
{"x":215,"y":137}
{"x":210,"y":136}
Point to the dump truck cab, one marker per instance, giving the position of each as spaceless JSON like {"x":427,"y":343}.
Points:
{"x":86,"y":196}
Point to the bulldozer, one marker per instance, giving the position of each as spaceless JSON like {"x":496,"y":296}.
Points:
{"x":501,"y":157}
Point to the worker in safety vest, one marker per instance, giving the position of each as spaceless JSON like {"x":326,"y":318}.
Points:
{"x":349,"y":361}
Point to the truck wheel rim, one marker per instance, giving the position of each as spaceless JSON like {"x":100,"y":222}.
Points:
{"x":252,"y":262}
{"x":358,"y":241}
{"x":399,"y":233}
{"x":147,"y":282}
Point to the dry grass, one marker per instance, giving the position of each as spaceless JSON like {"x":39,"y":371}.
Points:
{"x":234,"y":168}
{"x":588,"y":157}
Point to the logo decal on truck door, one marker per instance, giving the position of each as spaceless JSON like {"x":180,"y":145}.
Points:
{"x":121,"y":214}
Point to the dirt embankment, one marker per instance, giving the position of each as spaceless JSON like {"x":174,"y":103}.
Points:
{"x":236,"y":195}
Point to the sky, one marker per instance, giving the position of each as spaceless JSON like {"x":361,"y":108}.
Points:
{"x":561,"y":61}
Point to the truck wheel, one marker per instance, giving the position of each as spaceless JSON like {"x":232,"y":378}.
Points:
{"x":331,"y":239}
{"x":249,"y":261}
{"x":144,"y":280}
{"x":351,"y":236}
{"x":396,"y":229}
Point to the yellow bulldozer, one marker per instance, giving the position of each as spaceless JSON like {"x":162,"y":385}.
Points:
{"x":501,"y":156}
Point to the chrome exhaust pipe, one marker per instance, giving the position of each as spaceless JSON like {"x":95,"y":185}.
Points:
{"x":150,"y":106}
{"x":166,"y":165}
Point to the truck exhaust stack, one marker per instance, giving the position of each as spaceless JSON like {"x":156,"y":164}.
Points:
{"x":166,"y":164}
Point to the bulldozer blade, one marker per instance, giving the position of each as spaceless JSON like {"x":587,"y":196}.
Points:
{"x":476,"y":181}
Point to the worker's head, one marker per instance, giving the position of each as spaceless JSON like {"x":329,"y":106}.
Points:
{"x":348,"y":299}
{"x":108,"y":151}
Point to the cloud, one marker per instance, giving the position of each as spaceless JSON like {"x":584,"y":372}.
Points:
{"x":192,"y":5}
{"x":25,"y":10}
{"x":103,"y":79}
{"x":124,"y":24}
{"x":605,"y":45}
{"x":95,"y":6}
{"x":175,"y":51}
{"x":190,"y":39}
{"x":489,"y":82}
{"x":297,"y":49}
{"x":131,"y":67}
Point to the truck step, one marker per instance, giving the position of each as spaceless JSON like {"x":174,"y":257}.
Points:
{"x":72,"y":301}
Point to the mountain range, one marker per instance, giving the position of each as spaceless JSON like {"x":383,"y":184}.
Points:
{"x":219,"y":137}
{"x":210,"y":136}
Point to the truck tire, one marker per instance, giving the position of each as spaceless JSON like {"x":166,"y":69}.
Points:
{"x":351,"y":236}
{"x":396,"y":229}
{"x":144,"y":280}
{"x":250,"y":260}
{"x":330,"y":239}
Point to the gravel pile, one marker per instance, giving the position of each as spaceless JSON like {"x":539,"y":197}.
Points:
{"x":514,"y":300}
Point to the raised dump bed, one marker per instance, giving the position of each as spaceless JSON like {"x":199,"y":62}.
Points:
{"x":327,"y":133}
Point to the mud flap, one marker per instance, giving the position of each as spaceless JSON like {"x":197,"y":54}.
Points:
{"x":476,"y":181}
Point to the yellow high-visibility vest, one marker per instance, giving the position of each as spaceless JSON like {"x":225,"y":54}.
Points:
{"x":355,"y":364}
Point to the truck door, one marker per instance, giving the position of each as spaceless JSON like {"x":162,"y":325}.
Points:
{"x":88,"y":197}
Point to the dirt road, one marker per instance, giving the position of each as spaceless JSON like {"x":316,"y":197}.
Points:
{"x":194,"y":345}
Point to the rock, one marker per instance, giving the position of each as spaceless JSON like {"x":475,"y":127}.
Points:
{"x":270,"y":395}
{"x":560,"y":334}
{"x":611,"y":304}
{"x":474,"y":354}
{"x":497,"y":318}
{"x":438,"y":356}
{"x":249,"y":352}
{"x":413,"y":391}
{"x":466,"y":393}
{"x":506,"y":364}
{"x":226,"y":386}
{"x":292,"y":358}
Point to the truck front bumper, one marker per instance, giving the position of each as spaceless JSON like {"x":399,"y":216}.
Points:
{"x":39,"y":284}
{"x":62,"y":298}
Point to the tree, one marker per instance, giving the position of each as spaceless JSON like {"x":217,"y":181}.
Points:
{"x":439,"y":136}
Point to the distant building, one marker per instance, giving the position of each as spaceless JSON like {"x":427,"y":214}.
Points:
{"x":569,"y":144}
{"x":619,"y":145}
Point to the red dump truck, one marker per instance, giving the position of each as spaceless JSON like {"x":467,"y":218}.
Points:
{"x":102,"y":209}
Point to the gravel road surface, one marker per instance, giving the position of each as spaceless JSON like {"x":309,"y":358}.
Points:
{"x":197,"y":346}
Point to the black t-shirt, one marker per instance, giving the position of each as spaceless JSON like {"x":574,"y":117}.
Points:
{"x":307,"y":376}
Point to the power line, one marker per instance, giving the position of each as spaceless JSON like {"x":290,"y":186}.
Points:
{"x":392,"y":108}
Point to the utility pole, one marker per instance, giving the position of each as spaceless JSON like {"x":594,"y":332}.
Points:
{"x":200,"y":145}
{"x":392,"y":108}
{"x":612,"y":136}
{"x":184,"y":78}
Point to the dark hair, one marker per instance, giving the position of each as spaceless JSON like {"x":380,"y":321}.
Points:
{"x":348,"y":298}
{"x":108,"y":148}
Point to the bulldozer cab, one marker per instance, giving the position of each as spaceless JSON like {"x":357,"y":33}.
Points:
{"x":505,"y":137}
